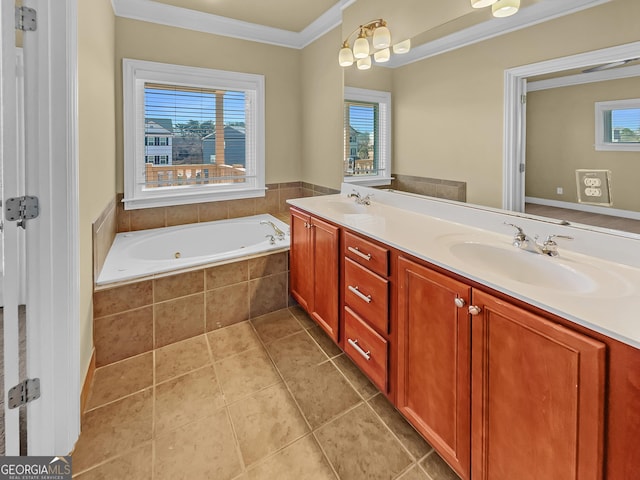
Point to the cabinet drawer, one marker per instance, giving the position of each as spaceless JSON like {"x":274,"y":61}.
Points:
{"x":367,"y":294}
{"x":366,"y":348}
{"x":366,"y":253}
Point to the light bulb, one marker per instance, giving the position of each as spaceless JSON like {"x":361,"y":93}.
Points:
{"x":482,"y":3}
{"x":361,"y":46}
{"x":364,"y":63}
{"x":345,"y":57}
{"x":381,"y":37}
{"x":402,"y":47}
{"x":505,"y":8}
{"x":382,"y":56}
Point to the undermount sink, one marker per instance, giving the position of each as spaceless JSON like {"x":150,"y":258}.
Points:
{"x":524,"y":267}
{"x":348,"y":208}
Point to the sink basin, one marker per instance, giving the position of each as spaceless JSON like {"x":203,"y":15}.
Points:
{"x":348,"y":208}
{"x":523,"y":267}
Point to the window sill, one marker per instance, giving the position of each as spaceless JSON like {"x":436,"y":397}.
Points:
{"x":368,"y":181}
{"x":168,"y":200}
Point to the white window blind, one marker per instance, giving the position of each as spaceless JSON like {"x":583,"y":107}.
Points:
{"x":191,"y":134}
{"x":618,"y":125}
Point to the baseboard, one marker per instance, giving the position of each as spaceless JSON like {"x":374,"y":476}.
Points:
{"x":88,"y":380}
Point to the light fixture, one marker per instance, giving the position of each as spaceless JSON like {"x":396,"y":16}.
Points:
{"x":505,"y":8}
{"x":362,"y":50}
{"x":499,"y":8}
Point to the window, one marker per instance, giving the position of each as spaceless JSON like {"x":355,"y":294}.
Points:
{"x":367,"y":136}
{"x":618,"y":125}
{"x":191,"y":134}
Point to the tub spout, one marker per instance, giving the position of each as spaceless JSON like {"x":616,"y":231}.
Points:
{"x":278,"y":233}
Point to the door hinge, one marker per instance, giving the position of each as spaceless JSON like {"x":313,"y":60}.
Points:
{"x":523,"y":99}
{"x":26,"y":19}
{"x":23,"y":393}
{"x":19,"y":209}
{"x":522,"y":168}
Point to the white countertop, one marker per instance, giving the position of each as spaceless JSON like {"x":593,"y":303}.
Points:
{"x":595,"y":280}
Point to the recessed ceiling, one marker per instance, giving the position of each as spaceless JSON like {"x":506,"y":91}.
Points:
{"x":292,"y":15}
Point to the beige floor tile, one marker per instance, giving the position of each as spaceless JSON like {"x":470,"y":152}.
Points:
{"x":398,"y":425}
{"x":121,"y":379}
{"x":186,"y":398}
{"x":301,"y":460}
{"x":328,"y":346}
{"x":358,"y":379}
{"x":359,"y":446}
{"x":322,"y":393}
{"x":414,"y":473}
{"x":295,"y":353}
{"x":112,"y":429}
{"x":201,"y":450}
{"x":134,"y":465}
{"x":302,"y":316}
{"x":265,"y":422}
{"x":276,"y":325}
{"x":438,"y":468}
{"x":180,"y":358}
{"x":246,"y":373}
{"x":232,"y":340}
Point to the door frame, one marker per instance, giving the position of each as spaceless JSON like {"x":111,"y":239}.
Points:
{"x":53,"y":345}
{"x":514,"y":133}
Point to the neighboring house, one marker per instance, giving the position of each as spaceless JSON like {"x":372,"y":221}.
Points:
{"x":356,"y":141}
{"x":234,"y":146}
{"x":158,"y":141}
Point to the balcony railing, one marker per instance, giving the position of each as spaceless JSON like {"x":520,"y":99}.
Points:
{"x":193,"y":174}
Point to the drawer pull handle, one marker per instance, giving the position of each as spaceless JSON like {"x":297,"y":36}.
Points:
{"x":366,"y":298}
{"x":356,"y":251}
{"x":354,"y":343}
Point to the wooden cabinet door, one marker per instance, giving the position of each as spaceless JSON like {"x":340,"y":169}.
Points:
{"x":537,"y":397}
{"x":434,"y":360}
{"x":326,"y":245}
{"x":301,"y":259}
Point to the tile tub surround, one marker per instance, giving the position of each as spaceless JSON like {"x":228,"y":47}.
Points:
{"x":103,"y":234}
{"x":278,"y":412}
{"x":433,"y":187}
{"x":142,"y":316}
{"x":274,"y":202}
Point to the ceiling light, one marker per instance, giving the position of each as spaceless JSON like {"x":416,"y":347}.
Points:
{"x":380,"y":43}
{"x":505,"y":8}
{"x":482,"y":3}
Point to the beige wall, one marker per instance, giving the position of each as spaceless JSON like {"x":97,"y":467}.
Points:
{"x":322,"y":91}
{"x":449,"y":109}
{"x":560,"y":139}
{"x":377,"y":78}
{"x":96,"y":105}
{"x":279,"y":65}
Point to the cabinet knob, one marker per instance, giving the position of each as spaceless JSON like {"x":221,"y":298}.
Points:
{"x":474,"y":310}
{"x":459,"y":302}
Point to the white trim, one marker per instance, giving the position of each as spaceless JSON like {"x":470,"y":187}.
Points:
{"x":134,"y":74}
{"x":614,"y":212}
{"x":383,"y":99}
{"x":582,"y":78}
{"x":537,"y":13}
{"x":53,"y":320}
{"x":514,"y":121}
{"x":163,"y":14}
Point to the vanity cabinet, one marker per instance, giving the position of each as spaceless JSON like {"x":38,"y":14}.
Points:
{"x":538,"y":395}
{"x":500,"y":392}
{"x":314,"y":273}
{"x":366,"y":307}
{"x":434,"y":360}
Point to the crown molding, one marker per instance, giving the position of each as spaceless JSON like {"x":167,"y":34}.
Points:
{"x":163,"y":14}
{"x":527,"y":17}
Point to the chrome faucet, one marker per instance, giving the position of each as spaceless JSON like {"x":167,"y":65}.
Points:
{"x":360,"y":200}
{"x":524,"y":242}
{"x":279,"y":234}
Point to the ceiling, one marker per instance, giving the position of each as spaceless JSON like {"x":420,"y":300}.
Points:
{"x":292,"y":15}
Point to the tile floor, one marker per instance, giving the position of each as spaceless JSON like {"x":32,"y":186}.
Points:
{"x":269,"y":398}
